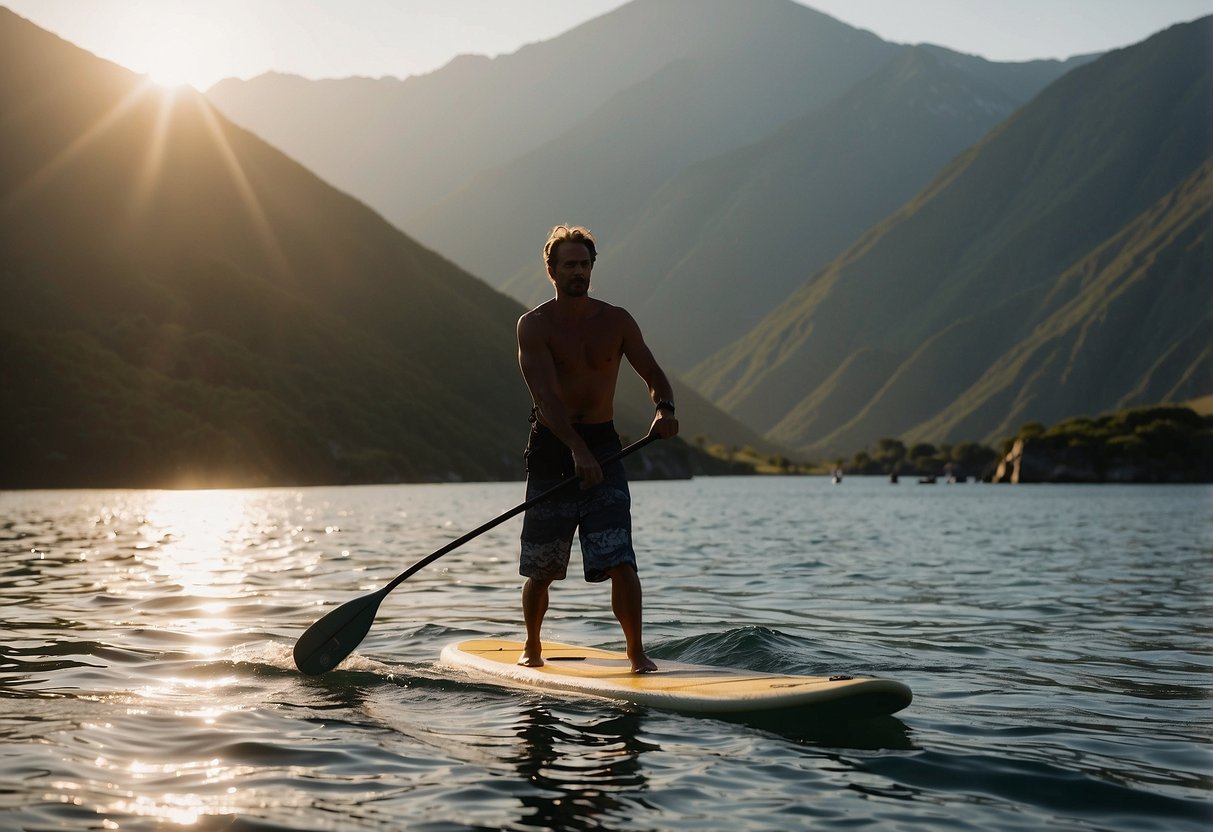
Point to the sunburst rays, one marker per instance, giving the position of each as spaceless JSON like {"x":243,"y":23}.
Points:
{"x":113,"y":117}
{"x":153,"y":160}
{"x":271,"y":247}
{"x":171,"y":122}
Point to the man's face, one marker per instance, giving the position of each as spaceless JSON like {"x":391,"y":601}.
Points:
{"x":570,"y":269}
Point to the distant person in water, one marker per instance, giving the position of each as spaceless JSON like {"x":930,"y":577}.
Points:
{"x":569,"y":349}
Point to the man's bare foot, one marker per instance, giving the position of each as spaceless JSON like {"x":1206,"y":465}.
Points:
{"x":531,"y":657}
{"x":643,"y":664}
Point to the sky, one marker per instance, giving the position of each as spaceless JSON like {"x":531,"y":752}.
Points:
{"x":199,"y":42}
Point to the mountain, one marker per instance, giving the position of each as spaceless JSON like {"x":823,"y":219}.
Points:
{"x":185,"y":305}
{"x":781,"y":60}
{"x":933,"y":325}
{"x":725,"y":242}
{"x":579,"y":128}
{"x":404,"y":144}
{"x":760,"y":123}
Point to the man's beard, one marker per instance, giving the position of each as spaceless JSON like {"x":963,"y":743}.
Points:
{"x":577,"y":287}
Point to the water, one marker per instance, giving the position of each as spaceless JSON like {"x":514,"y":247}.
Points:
{"x":1056,"y":638}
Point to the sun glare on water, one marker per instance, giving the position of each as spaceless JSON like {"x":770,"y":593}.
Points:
{"x":195,"y":533}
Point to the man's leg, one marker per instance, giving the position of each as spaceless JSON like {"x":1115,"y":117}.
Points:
{"x":626,"y":603}
{"x":534,"y":607}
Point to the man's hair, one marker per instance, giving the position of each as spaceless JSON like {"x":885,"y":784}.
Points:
{"x":569,"y":234}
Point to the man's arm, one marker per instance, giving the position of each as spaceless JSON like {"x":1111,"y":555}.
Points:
{"x":638,"y":354}
{"x":539,"y":372}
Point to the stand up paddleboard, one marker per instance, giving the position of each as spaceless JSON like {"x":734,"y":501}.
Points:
{"x":688,"y":688}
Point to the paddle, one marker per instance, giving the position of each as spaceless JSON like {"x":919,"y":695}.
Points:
{"x":326,"y":643}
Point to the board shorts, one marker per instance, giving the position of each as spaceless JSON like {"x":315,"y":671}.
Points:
{"x":601,"y":516}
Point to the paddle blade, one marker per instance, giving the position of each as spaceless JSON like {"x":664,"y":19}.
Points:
{"x":325,"y":644}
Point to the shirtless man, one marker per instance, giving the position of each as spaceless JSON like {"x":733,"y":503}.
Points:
{"x":569,"y":349}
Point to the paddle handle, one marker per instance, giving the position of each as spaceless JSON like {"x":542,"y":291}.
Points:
{"x":516,"y":510}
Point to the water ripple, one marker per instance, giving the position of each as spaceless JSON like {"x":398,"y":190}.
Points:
{"x":1056,"y":640}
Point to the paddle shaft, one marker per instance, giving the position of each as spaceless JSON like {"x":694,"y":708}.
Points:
{"x":516,"y":510}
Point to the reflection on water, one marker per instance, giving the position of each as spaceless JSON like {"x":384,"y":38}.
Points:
{"x":580,"y":772}
{"x":883,"y":733}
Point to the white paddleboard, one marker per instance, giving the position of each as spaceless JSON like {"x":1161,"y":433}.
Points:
{"x":675,"y":686}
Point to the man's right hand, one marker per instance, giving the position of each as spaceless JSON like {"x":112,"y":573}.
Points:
{"x":588,"y":469}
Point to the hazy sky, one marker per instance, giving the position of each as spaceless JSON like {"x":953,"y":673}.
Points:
{"x":201,"y":41}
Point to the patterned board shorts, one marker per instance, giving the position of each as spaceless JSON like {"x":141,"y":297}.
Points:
{"x":601,"y":516}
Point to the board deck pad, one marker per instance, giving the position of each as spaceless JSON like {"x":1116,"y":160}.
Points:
{"x":689,"y":688}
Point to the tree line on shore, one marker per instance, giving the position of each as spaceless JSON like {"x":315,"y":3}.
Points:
{"x":1165,"y":443}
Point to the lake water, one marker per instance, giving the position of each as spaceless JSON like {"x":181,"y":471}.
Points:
{"x":1057,"y":639}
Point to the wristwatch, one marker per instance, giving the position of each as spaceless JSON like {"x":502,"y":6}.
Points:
{"x":665,"y":404}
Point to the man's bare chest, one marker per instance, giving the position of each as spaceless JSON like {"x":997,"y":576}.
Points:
{"x":585,"y":350}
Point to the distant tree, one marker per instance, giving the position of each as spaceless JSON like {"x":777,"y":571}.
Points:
{"x":972,"y":455}
{"x":1129,"y":446}
{"x":1031,"y":430}
{"x":890,"y":453}
{"x":1161,"y":443}
{"x":1163,"y":436}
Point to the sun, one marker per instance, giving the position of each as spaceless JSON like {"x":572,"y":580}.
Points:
{"x":172,"y":43}
{"x":168,"y":65}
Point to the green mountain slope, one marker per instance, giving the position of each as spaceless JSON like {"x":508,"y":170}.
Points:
{"x":950,"y":276}
{"x":185,"y":304}
{"x":1151,"y":281}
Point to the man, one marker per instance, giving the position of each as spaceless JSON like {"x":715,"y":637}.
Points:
{"x":569,"y":349}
